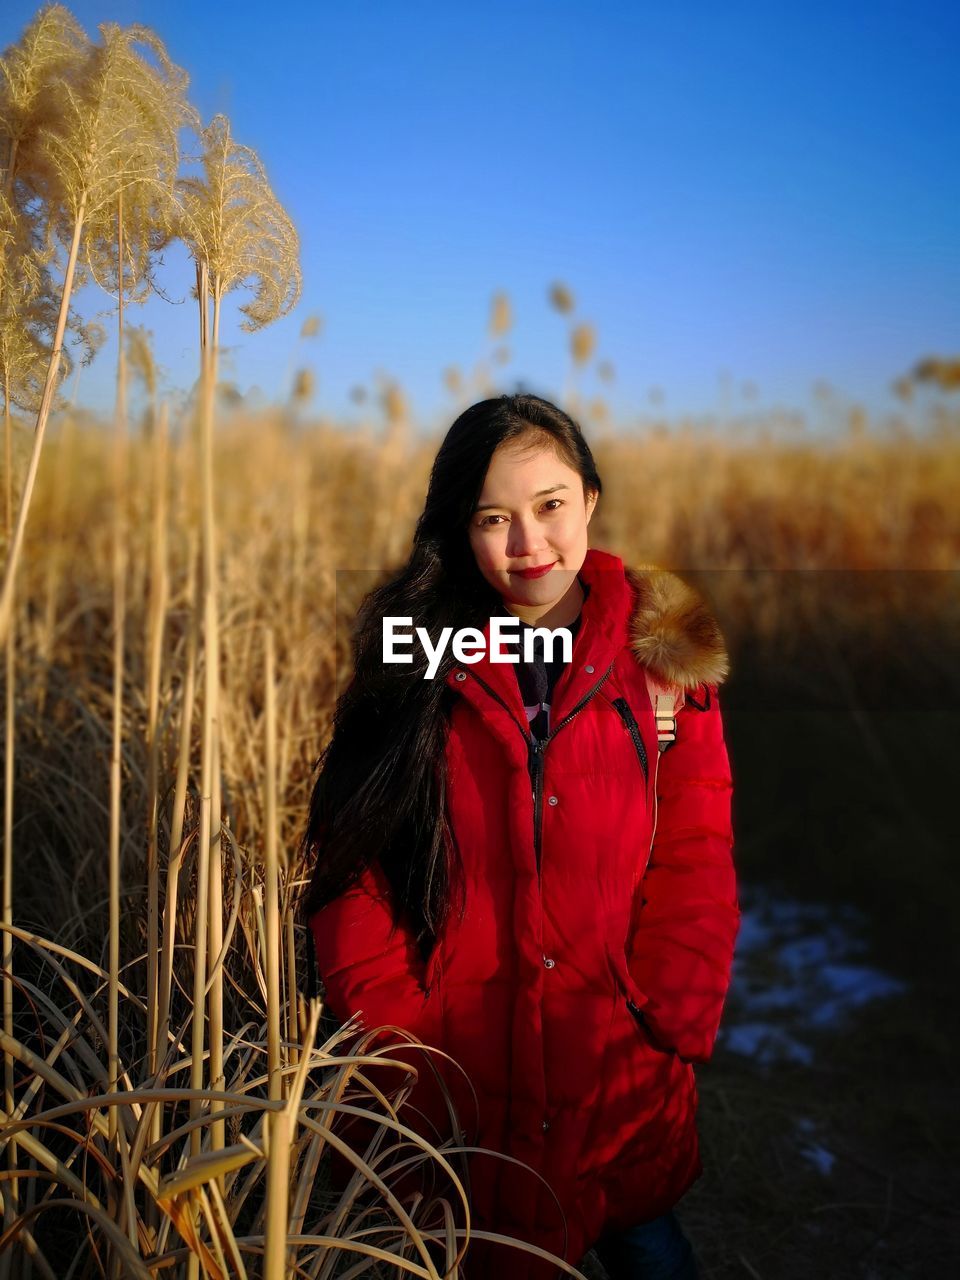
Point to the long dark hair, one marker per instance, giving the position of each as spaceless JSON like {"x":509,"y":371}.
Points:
{"x":380,"y":792}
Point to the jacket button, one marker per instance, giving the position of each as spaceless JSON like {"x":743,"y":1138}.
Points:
{"x":589,"y":670}
{"x":461,"y":675}
{"x":552,"y":800}
{"x":545,"y":1126}
{"x":548,"y":964}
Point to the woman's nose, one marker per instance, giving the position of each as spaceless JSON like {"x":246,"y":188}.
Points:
{"x":526,"y":538}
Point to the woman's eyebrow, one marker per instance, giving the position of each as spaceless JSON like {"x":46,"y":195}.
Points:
{"x":541,"y":493}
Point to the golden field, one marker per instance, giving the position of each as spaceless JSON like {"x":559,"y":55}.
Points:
{"x":294,"y":505}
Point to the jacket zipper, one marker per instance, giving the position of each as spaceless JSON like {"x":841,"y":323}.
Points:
{"x":626,"y":715}
{"x":535,"y":766}
{"x":536,"y":748}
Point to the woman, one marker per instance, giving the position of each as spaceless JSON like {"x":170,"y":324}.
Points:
{"x":564,"y":899}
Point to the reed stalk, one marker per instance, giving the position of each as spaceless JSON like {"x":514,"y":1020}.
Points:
{"x":271,"y":872}
{"x":12,"y":1191}
{"x":159,"y":594}
{"x":178,"y":815}
{"x":119,"y":625}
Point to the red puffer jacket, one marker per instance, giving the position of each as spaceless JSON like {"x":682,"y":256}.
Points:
{"x":589,"y":970}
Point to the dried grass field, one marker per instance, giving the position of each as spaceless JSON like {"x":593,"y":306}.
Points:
{"x":838,"y":649}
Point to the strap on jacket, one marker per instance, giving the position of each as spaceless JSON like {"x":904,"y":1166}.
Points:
{"x":666,"y":701}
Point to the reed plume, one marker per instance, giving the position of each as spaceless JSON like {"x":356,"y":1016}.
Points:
{"x":115,"y":131}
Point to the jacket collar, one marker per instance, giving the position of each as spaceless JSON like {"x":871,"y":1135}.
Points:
{"x":672,"y":631}
{"x":666,"y":623}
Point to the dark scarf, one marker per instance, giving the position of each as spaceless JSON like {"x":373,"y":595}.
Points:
{"x":537,"y":679}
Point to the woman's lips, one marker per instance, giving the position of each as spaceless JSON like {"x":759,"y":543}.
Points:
{"x":534,"y":573}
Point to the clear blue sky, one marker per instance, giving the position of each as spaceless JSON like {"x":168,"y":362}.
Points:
{"x":770,"y":190}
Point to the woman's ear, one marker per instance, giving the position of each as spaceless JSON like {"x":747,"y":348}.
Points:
{"x":591,"y":503}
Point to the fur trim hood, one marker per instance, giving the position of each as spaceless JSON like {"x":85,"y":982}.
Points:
{"x":672,"y":632}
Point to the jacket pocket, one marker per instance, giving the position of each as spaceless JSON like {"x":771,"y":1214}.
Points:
{"x":634,"y":997}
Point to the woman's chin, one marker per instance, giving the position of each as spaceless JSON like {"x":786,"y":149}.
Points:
{"x":550,"y":589}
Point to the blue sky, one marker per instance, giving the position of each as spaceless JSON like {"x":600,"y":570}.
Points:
{"x":768,"y":191}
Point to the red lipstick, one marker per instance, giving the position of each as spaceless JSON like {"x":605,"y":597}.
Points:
{"x":538,"y":572}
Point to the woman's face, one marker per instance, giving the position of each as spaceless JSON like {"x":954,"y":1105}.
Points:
{"x":530,"y":514}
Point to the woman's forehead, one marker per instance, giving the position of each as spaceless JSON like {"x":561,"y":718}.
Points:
{"x":508,"y":458}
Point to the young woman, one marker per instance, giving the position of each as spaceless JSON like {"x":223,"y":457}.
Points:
{"x":520,"y":863}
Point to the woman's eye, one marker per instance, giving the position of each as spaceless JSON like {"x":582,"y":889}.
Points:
{"x":486,"y":522}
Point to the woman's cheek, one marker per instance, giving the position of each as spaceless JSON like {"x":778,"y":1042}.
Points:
{"x":489,"y":556}
{"x":478,"y":549}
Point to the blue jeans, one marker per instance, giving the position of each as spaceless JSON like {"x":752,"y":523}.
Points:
{"x":656,"y":1250}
